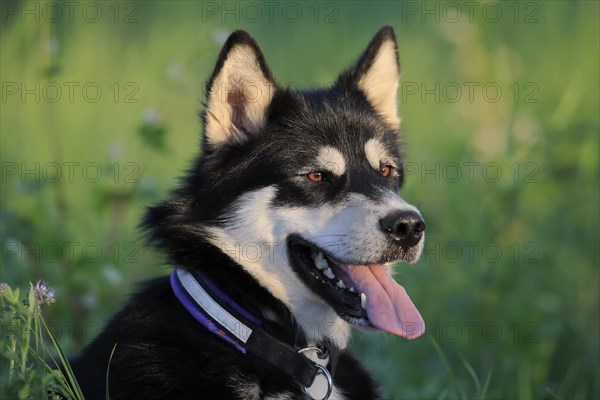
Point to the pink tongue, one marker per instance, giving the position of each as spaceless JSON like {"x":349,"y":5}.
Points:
{"x":388,"y":306}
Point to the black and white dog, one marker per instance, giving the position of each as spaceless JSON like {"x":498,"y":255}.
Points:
{"x":282,"y":235}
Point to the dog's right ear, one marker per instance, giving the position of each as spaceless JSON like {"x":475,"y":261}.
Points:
{"x":238,"y":93}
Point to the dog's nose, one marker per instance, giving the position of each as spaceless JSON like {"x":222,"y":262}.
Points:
{"x":406,"y":227}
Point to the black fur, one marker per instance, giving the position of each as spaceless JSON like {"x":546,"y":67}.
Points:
{"x":161,"y":351}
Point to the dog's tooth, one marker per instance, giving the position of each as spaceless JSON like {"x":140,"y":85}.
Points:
{"x":320,"y":261}
{"x":329,"y":273}
{"x":363,"y":301}
{"x":341,"y":284}
{"x":352,"y":289}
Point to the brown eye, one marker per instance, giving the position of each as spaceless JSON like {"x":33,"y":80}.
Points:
{"x":316,"y":176}
{"x":386,"y":170}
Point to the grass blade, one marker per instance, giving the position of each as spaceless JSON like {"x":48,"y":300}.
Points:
{"x":486,"y":384}
{"x":554,"y":395}
{"x":67,"y":390}
{"x":447,"y":367}
{"x":108,"y":370}
{"x":67,"y":368}
{"x":473,"y":375}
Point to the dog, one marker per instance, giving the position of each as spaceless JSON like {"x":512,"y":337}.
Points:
{"x":281,"y":236}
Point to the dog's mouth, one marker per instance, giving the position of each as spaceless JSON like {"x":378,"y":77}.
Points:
{"x":365,"y":295}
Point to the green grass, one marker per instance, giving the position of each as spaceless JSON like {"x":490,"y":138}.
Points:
{"x":31,"y":358}
{"x":520,"y":324}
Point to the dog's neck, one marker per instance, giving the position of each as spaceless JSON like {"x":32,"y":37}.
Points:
{"x":307,"y":325}
{"x":233,"y":324}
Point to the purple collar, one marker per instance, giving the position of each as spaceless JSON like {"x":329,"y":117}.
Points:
{"x":198,"y":302}
{"x":233,"y":324}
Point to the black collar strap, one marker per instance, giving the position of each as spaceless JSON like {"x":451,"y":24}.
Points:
{"x":233,"y":324}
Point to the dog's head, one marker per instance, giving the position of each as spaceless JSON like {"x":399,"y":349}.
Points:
{"x":300,"y":189}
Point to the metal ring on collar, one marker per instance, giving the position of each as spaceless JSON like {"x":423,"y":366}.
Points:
{"x":322,"y":370}
{"x":325,"y":372}
{"x":310,"y":348}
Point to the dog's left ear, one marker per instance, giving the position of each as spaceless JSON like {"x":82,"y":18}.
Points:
{"x":377,"y":75}
{"x":238,"y":93}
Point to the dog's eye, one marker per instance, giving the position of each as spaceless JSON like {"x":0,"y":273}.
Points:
{"x":386,"y":170}
{"x":316,"y":176}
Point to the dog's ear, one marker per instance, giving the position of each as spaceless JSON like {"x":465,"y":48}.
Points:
{"x":377,"y":75}
{"x":238,"y":93}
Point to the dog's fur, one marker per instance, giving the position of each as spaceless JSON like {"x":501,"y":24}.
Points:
{"x":246,"y":198}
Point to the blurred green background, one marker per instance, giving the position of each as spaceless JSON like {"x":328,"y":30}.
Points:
{"x":500,"y":107}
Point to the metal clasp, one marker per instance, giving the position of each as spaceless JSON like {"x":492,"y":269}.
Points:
{"x":322,"y":370}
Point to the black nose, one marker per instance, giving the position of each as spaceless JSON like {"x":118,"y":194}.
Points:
{"x":406,"y":227}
